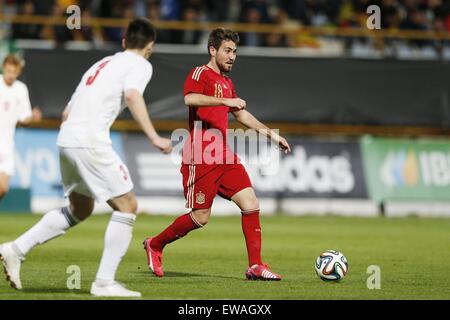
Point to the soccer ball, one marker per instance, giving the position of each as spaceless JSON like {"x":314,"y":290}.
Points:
{"x":331,"y":265}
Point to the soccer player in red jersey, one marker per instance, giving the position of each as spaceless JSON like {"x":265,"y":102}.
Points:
{"x":210,"y":96}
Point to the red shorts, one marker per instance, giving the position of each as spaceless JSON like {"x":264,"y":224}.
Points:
{"x":202,"y":183}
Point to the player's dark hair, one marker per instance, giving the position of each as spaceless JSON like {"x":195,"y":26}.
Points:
{"x":139,"y":34}
{"x":220,"y":34}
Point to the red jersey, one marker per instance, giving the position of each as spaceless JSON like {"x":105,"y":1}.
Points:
{"x":206,"y":81}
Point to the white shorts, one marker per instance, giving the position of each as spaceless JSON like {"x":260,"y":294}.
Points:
{"x":7,"y":163}
{"x":96,"y":173}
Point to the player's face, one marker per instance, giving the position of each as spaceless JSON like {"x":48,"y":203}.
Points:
{"x":226,"y":56}
{"x":149,"y":50}
{"x":11,"y":73}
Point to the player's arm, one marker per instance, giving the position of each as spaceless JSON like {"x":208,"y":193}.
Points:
{"x":197,"y":100}
{"x":27,"y":115}
{"x":36,"y":116}
{"x":138,"y":109}
{"x":65,"y":113}
{"x":248,"y":120}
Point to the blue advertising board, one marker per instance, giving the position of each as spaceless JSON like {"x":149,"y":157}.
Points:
{"x":37,"y":161}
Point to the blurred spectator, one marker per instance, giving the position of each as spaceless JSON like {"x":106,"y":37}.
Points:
{"x":279,"y":39}
{"x":218,"y":10}
{"x":140,"y":8}
{"x":43,"y":7}
{"x":259,"y":6}
{"x":26,"y":31}
{"x":115,"y":9}
{"x":395,"y":14}
{"x":390,"y":14}
{"x":87,"y":31}
{"x":153,"y":13}
{"x":254,"y":12}
{"x":170,"y":10}
{"x":295,"y":8}
{"x":416,"y":20}
{"x":191,"y":14}
{"x":58,"y":33}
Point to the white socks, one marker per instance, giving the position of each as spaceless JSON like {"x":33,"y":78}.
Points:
{"x":117,"y":239}
{"x":52,"y":225}
{"x":55,"y":223}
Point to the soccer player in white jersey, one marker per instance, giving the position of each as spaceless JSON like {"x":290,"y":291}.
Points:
{"x":15,"y":107}
{"x":90,"y":169}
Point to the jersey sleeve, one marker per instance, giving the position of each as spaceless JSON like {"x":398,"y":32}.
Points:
{"x":24,"y":106}
{"x":195,"y":82}
{"x":233,"y":90}
{"x":138,"y":78}
{"x":233,"y":95}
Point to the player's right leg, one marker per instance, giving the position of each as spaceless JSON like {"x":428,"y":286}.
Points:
{"x":236,"y":186}
{"x":52,"y":225}
{"x":248,"y":203}
{"x":199,"y":190}
{"x":101,"y":173}
{"x":118,"y":237}
{"x":180,"y":227}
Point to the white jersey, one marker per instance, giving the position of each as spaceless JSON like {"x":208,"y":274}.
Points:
{"x":99,"y":98}
{"x":14,"y":106}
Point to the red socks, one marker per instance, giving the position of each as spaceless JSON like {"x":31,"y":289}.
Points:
{"x":178,"y":229}
{"x":252,"y":232}
{"x":186,"y":223}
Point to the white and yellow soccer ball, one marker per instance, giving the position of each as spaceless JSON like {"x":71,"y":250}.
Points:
{"x":331,"y":265}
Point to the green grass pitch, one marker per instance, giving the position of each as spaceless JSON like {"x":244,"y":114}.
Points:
{"x":413,"y":255}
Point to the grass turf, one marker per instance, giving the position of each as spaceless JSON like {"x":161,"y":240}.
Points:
{"x":210,"y":263}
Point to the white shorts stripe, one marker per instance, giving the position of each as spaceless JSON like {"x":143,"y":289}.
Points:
{"x":193,"y":187}
{"x":188,"y":198}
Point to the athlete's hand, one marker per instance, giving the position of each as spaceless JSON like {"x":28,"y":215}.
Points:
{"x":163,"y":144}
{"x":236,"y":103}
{"x":284,"y":145}
{"x":36,"y":114}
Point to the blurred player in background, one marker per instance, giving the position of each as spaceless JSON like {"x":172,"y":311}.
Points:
{"x":15,"y":108}
{"x":210,"y":96}
{"x":90,"y":168}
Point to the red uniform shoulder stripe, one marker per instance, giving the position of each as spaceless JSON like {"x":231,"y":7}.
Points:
{"x":197,"y":73}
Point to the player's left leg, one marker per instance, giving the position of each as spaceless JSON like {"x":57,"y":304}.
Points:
{"x":53,"y":224}
{"x":236,"y":186}
{"x":248,"y":203}
{"x":200,"y":188}
{"x":251,"y":227}
{"x":118,"y":237}
{"x":179,"y":228}
{"x":4,"y":184}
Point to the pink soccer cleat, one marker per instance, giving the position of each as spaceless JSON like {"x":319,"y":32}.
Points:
{"x":261,"y":272}
{"x":154,"y":258}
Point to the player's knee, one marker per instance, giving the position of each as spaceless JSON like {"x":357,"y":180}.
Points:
{"x":251,"y":204}
{"x":126,"y":203}
{"x":82,"y":212}
{"x":202,"y":216}
{"x":82,"y":215}
{"x":131,"y":206}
